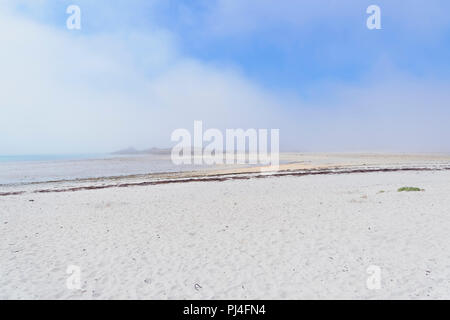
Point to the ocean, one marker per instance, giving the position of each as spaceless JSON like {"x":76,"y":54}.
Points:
{"x":49,"y":157}
{"x":42,"y":168}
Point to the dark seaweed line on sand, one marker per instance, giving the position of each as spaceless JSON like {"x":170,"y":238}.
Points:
{"x":240,"y":176}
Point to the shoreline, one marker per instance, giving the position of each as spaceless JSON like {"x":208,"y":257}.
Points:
{"x":220,"y":177}
{"x":294,"y":164}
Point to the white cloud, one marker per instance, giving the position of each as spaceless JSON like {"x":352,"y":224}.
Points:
{"x":63,"y":92}
{"x":68,"y":92}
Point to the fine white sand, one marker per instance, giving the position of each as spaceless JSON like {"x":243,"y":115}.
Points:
{"x":272,"y":238}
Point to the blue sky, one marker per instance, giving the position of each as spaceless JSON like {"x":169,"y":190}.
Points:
{"x":137,"y":70}
{"x":331,"y":43}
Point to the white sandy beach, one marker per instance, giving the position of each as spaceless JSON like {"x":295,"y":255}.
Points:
{"x":292,"y":237}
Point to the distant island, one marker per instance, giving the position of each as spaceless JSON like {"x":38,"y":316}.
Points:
{"x":132,"y":150}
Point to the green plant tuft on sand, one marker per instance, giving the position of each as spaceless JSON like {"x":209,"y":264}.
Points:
{"x":409,"y":189}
